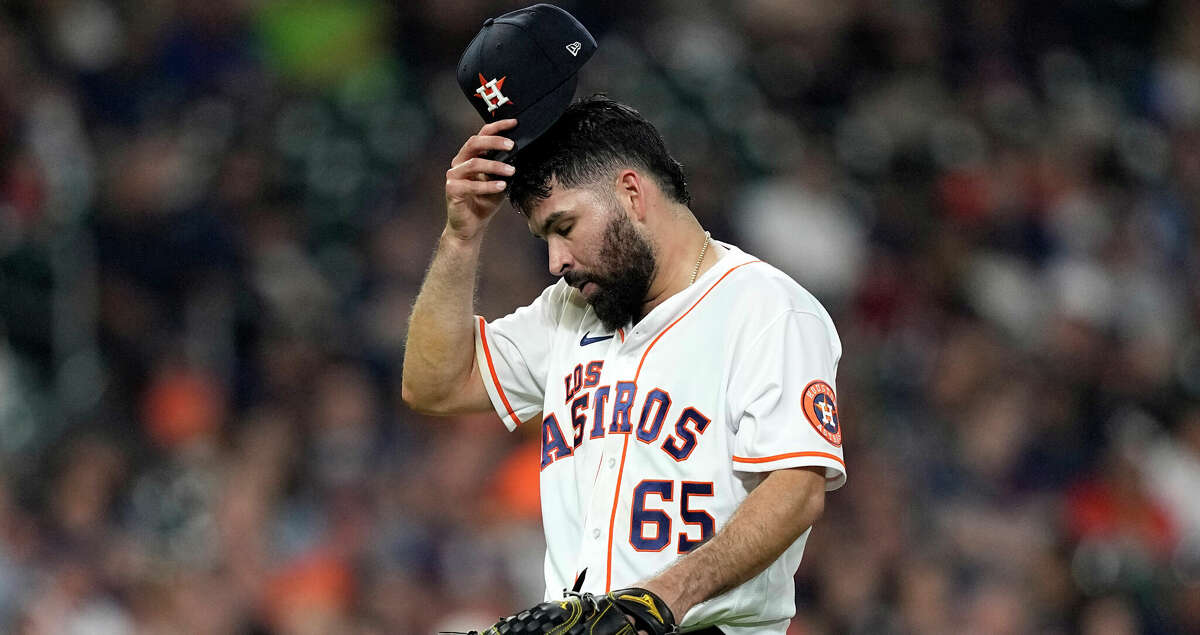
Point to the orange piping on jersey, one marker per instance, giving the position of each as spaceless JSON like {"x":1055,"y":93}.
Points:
{"x":612,"y":520}
{"x":622,"y":332}
{"x":487,"y":352}
{"x":621,"y":472}
{"x":789,"y":455}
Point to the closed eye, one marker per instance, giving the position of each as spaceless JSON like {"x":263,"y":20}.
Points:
{"x":563,"y":231}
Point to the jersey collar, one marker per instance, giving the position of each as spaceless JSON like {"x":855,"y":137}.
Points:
{"x":673,"y":307}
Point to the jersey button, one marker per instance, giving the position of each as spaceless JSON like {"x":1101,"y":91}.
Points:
{"x":596,"y":534}
{"x":612,"y":463}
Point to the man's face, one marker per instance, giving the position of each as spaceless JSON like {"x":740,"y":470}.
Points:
{"x":596,"y":247}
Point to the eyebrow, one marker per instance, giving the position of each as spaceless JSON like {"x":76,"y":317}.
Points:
{"x":548,"y":223}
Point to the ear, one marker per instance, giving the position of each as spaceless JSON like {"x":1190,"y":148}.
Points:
{"x":631,"y":191}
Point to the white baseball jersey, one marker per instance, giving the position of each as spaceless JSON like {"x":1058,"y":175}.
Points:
{"x":653,"y":435}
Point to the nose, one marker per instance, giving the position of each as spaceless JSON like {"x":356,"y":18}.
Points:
{"x":560,"y":257}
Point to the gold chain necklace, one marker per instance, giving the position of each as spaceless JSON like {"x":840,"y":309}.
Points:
{"x":703,"y":250}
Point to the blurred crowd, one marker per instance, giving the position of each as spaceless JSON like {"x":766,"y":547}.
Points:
{"x":214,"y":217}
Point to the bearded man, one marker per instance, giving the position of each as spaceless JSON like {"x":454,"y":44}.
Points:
{"x":684,"y":389}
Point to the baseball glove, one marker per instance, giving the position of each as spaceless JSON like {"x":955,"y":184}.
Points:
{"x":622,"y":612}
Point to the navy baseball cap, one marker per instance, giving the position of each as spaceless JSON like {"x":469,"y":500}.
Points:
{"x":524,"y":65}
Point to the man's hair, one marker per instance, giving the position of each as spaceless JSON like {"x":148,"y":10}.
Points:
{"x":592,"y":140}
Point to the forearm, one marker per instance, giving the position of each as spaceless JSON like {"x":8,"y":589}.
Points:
{"x":440,"y":350}
{"x":771,"y":518}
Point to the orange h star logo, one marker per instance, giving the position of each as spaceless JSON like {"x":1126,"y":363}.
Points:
{"x":826,"y":412}
{"x":489,"y":92}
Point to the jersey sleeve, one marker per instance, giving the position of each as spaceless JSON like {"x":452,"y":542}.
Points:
{"x":782,"y":398}
{"x":512,"y":354}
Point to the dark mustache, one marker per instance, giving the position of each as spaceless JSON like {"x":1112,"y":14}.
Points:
{"x":577,"y":280}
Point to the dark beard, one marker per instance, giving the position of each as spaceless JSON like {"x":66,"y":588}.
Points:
{"x":629,"y":262}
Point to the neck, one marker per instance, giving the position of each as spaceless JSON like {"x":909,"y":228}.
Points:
{"x":677,"y":255}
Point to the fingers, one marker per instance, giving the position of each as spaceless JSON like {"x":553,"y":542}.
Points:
{"x":456,"y":188}
{"x":478,"y":145}
{"x":496,"y":126}
{"x":486,"y":140}
{"x":479,"y":167}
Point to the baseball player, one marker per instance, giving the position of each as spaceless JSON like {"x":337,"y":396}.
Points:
{"x":684,"y":389}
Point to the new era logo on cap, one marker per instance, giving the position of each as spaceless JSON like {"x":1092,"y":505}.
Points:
{"x":511,"y":70}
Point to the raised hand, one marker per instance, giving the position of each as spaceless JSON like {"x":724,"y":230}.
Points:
{"x":472,"y":196}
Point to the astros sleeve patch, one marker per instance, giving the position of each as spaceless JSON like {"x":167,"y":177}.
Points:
{"x":820,"y":408}
{"x":783,"y":400}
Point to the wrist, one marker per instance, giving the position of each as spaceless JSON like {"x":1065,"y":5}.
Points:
{"x":671,"y":595}
{"x":457,"y":239}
